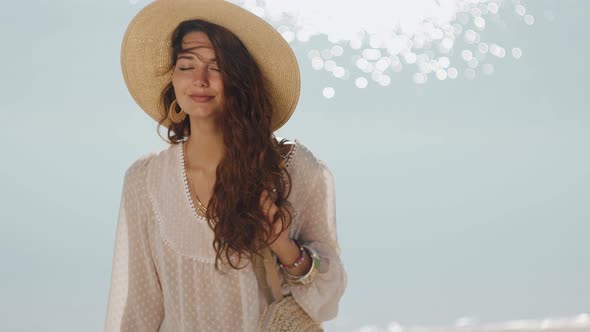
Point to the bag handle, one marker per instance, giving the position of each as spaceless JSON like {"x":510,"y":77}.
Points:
{"x":267,"y":275}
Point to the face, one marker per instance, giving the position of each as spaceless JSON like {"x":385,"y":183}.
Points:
{"x":196,"y":77}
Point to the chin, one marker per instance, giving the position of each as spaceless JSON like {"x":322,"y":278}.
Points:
{"x":202,"y":111}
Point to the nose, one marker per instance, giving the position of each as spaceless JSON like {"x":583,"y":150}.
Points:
{"x":200,"y":77}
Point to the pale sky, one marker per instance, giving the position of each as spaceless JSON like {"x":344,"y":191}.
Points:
{"x":456,"y":198}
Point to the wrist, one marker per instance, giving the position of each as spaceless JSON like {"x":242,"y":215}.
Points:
{"x":298,"y":263}
{"x":292,"y":265}
{"x":288,"y":252}
{"x":307,"y":274}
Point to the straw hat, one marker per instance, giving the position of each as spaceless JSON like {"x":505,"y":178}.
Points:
{"x":146,"y":52}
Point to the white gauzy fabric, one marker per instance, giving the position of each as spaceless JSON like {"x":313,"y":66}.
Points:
{"x":163,"y":274}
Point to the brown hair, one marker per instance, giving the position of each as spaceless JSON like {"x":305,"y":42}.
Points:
{"x":253,"y":160}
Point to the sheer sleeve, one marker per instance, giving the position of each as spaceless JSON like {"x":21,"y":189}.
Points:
{"x":321,"y":297}
{"x":135,"y":301}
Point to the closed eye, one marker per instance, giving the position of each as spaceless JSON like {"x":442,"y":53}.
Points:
{"x":193,"y":68}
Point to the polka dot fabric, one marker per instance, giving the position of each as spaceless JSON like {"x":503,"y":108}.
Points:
{"x":163,"y":273}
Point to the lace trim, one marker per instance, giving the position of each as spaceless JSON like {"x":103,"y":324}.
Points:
{"x":291,"y":153}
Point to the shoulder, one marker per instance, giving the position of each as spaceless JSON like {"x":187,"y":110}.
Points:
{"x":138,"y":169}
{"x":139,"y":164}
{"x":313,"y":170}
{"x":287,"y":146}
{"x":309,"y":170}
{"x":305,"y":160}
{"x":304,"y":154}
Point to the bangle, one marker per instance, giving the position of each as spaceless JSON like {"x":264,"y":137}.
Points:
{"x":309,"y":275}
{"x":298,"y":261}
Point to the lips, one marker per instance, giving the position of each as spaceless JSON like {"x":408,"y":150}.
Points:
{"x":201,"y":98}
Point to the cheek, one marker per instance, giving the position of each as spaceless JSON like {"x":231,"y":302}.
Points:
{"x":178,"y":80}
{"x":181,"y":75}
{"x":218,"y":83}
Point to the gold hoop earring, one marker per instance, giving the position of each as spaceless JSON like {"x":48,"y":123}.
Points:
{"x":176,"y":117}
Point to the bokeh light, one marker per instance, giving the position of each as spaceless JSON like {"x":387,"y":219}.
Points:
{"x":381,"y":38}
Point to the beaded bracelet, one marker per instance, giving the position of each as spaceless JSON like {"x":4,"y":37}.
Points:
{"x":299,"y":259}
{"x":309,"y":275}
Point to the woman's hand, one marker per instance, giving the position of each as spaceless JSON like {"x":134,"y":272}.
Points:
{"x":267,"y":203}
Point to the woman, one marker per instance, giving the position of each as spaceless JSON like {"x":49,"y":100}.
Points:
{"x":221,"y":80}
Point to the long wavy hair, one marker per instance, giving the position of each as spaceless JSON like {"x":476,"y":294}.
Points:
{"x":253,"y":161}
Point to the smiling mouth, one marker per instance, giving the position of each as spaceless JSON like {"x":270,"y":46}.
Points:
{"x":201,"y":99}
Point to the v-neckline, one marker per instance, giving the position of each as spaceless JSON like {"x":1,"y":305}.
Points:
{"x":180,"y":157}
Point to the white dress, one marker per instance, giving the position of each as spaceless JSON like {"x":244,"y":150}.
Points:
{"x":163,"y":273}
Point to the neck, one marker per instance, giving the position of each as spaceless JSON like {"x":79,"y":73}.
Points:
{"x":204,"y":147}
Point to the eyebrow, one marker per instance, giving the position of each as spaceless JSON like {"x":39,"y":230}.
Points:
{"x":180,"y":56}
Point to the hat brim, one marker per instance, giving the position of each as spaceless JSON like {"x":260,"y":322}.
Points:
{"x":146,"y":52}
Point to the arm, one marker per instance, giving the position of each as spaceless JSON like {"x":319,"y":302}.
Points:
{"x":135,"y":301}
{"x":321,"y":297}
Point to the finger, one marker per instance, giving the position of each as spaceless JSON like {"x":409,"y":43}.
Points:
{"x":264,"y":204}
{"x":265,"y":228}
{"x":267,"y":201}
{"x":263,"y":197}
{"x":289,"y":213}
{"x":271,"y":212}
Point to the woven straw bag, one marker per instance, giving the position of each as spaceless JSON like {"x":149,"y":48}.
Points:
{"x":283,"y":314}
